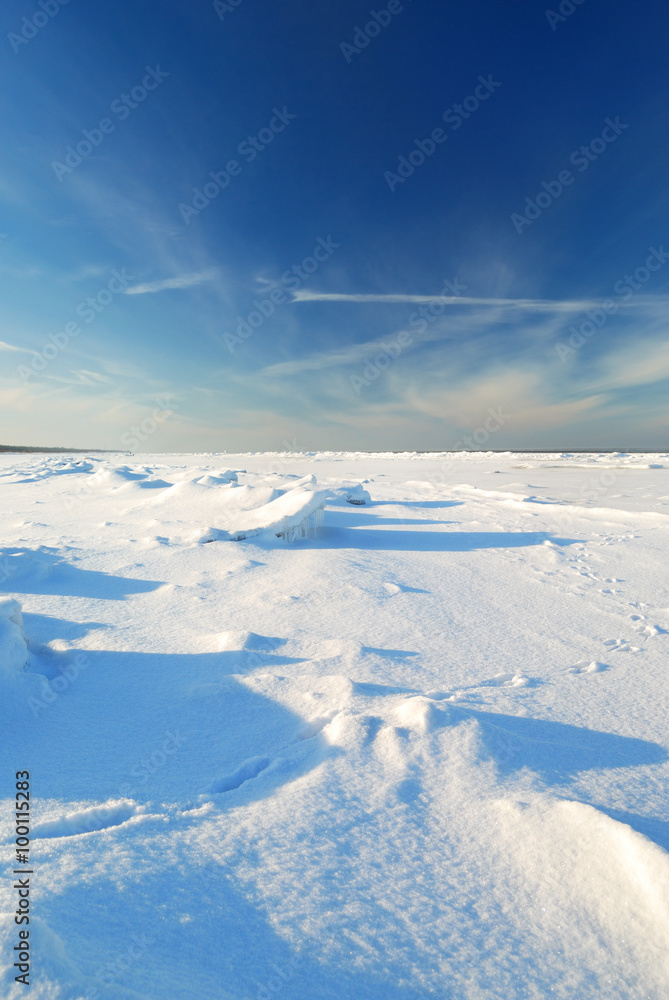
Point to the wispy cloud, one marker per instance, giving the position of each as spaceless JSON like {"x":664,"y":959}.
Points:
{"x":182,"y":281}
{"x":643,"y":362}
{"x":526,"y":393}
{"x":4,"y":346}
{"x":529,"y":305}
{"x":82,"y":376}
{"x":472,"y":323}
{"x":537,"y":305}
{"x":339,"y":357}
{"x":86,"y":271}
{"x":531,"y":322}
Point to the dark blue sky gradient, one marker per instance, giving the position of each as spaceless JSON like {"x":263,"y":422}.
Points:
{"x":297,"y":379}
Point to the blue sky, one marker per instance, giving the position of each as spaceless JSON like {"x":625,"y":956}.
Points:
{"x":251,"y":225}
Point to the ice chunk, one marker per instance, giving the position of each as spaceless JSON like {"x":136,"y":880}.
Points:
{"x":13,"y":644}
{"x":11,"y":609}
{"x":292,"y":515}
{"x":354,"y":494}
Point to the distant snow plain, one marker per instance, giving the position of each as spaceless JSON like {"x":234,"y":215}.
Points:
{"x":419,"y":751}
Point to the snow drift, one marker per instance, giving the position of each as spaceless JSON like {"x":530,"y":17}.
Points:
{"x":291,"y":515}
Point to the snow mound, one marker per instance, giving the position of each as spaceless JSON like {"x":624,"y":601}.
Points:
{"x":11,"y":610}
{"x":13,"y":644}
{"x":216,"y":478}
{"x":420,"y":714}
{"x":238,"y":639}
{"x":145,"y":484}
{"x":356,"y":495}
{"x":617,"y":889}
{"x":112,"y":477}
{"x":309,"y":480}
{"x":44,"y":470}
{"x":185,"y":497}
{"x":68,"y":467}
{"x":248,"y":497}
{"x":291,"y":515}
{"x":25,"y":567}
{"x":588,"y":667}
{"x":288,"y":481}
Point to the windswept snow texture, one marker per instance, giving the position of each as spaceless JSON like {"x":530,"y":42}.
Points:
{"x":418,"y":751}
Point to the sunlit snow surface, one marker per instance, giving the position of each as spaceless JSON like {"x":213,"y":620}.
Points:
{"x":421,"y":751}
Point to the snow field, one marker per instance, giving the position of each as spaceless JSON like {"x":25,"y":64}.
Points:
{"x":420,"y":752}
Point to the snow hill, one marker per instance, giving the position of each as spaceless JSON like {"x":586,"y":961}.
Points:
{"x":338,"y":725}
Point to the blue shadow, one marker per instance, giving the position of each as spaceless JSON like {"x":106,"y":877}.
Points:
{"x":44,"y":571}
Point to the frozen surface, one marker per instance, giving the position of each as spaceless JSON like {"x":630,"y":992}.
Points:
{"x":420,"y":752}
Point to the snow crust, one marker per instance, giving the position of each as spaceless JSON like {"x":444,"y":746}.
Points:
{"x":421,"y":751}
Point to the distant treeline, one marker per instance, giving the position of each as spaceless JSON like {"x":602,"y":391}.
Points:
{"x":21,"y":447}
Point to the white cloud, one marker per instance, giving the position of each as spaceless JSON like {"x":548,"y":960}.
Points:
{"x":183,"y":281}
{"x":12,"y":347}
{"x":527,"y":396}
{"x":339,"y":357}
{"x":473,"y":323}
{"x":642,"y":363}
{"x":532,"y":322}
{"x":531,"y":305}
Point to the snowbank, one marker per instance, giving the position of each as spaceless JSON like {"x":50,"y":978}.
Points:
{"x":13,"y":644}
{"x":291,"y":515}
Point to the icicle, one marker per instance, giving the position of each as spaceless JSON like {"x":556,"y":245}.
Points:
{"x":305,"y":529}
